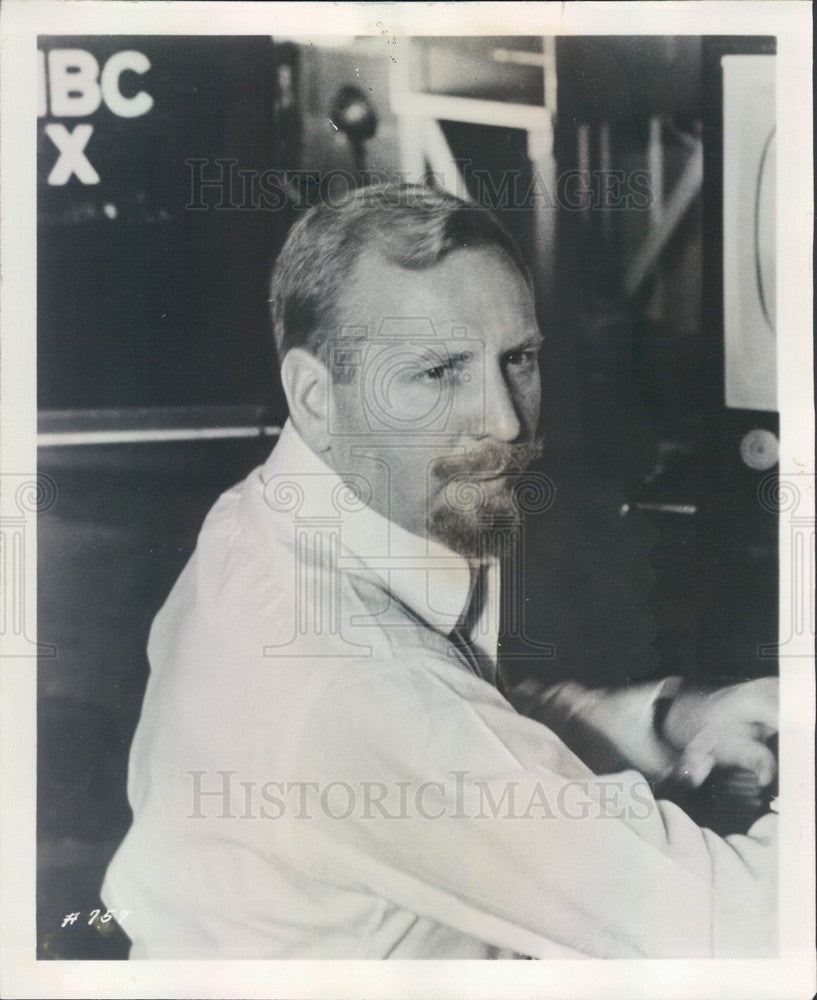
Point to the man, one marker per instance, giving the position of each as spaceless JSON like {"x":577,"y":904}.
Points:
{"x":326,"y":765}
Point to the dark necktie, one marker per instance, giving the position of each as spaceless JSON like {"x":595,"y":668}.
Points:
{"x":461,"y":633}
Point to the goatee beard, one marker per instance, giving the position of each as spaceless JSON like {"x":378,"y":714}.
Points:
{"x":477,"y":515}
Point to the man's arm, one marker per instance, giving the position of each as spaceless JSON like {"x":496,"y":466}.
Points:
{"x":527,"y":848}
{"x":666,"y":730}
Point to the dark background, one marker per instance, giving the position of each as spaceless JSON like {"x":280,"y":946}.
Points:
{"x":157,"y":317}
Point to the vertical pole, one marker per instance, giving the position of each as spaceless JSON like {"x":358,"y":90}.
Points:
{"x":544,"y":195}
{"x":655,"y":168}
{"x":412,"y":158}
{"x":542,"y":155}
{"x":583,"y":164}
{"x":605,"y":166}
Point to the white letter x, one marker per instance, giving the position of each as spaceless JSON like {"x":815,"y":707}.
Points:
{"x":72,"y":157}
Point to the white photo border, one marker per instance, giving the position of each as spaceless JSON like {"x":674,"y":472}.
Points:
{"x":793,"y":974}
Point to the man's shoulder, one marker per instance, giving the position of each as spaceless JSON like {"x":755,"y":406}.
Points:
{"x":289,"y":585}
{"x":264,"y":614}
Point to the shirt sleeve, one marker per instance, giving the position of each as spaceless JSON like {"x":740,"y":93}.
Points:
{"x":484,"y":821}
{"x":610,"y":728}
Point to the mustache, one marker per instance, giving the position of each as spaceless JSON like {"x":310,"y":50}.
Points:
{"x":496,"y":458}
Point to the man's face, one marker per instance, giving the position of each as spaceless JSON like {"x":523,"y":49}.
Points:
{"x":436,"y":393}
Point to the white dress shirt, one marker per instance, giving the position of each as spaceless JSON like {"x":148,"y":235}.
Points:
{"x":320,"y":772}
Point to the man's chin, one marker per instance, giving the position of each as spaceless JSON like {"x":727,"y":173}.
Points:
{"x":473,"y":536}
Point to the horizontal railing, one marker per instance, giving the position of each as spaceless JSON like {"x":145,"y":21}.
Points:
{"x":146,"y":425}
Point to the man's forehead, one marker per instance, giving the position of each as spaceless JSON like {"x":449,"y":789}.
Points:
{"x":417,"y":329}
{"x":408,"y":336}
{"x":467,"y":293}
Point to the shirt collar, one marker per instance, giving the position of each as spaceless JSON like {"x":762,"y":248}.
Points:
{"x":431,"y":579}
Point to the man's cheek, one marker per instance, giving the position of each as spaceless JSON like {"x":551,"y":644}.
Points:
{"x":531,"y":411}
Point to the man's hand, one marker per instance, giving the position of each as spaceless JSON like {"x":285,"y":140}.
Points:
{"x":727,"y":727}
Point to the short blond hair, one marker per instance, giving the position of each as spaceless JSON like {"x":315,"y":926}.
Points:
{"x":411,"y":226}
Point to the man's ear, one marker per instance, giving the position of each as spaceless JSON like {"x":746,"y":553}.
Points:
{"x":306,"y":384}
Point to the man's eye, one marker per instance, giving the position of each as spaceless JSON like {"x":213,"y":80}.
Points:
{"x":436,"y":374}
{"x":522,"y":359}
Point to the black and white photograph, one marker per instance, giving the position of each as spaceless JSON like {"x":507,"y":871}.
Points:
{"x":407,"y":499}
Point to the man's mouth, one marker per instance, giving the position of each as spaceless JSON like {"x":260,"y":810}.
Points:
{"x":496,"y":461}
{"x":488,"y":477}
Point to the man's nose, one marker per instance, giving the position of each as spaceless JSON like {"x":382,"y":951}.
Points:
{"x":501,"y":420}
